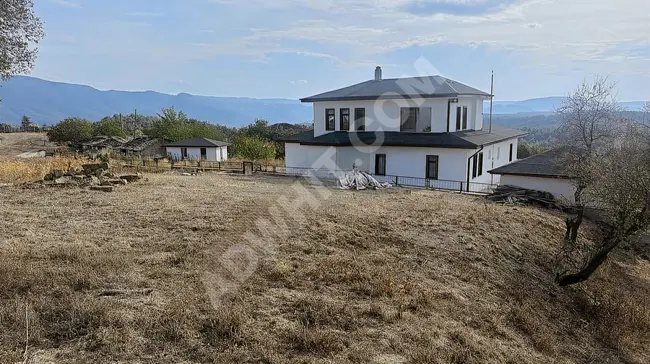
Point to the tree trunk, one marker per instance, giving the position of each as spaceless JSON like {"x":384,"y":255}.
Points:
{"x":595,"y":260}
{"x":573,"y":222}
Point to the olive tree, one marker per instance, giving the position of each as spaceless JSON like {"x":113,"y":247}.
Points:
{"x":19,"y":29}
{"x":608,"y":160}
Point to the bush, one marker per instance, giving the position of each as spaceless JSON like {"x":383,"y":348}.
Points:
{"x":254,"y":148}
{"x":71,"y":130}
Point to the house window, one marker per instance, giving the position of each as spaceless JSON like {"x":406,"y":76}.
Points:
{"x":183,"y":153}
{"x":432,"y":166}
{"x":330,"y":119}
{"x":380,"y":164}
{"x":464,"y":117}
{"x":409,"y":118}
{"x":459,"y":115}
{"x":204,"y":153}
{"x":512,"y":147}
{"x":345,"y":119}
{"x":360,"y":119}
{"x":477,"y":165}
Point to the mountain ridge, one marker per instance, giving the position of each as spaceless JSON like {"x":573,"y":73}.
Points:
{"x":51,"y":101}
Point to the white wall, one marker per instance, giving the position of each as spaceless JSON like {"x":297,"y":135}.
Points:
{"x":385,"y":114}
{"x":224,"y":153}
{"x":194,"y":153}
{"x":560,"y":188}
{"x":495,"y":156}
{"x":400,"y":161}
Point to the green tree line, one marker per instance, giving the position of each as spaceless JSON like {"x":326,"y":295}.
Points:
{"x":257,"y":141}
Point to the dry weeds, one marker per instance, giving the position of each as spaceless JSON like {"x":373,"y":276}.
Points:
{"x":27,"y":170}
{"x":372,"y":277}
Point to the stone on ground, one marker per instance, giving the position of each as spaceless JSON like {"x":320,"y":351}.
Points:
{"x":102,"y":188}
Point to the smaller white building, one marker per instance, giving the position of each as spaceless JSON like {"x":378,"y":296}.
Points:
{"x":539,"y":172}
{"x":198,"y":149}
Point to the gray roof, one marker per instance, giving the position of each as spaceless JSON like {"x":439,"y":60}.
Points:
{"x":463,"y":140}
{"x":540,"y":165}
{"x":139,"y":144}
{"x":198,"y":142}
{"x":396,"y":88}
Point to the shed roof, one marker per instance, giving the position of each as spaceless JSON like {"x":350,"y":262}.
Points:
{"x":540,"y":165}
{"x":139,"y":144}
{"x":396,"y":88}
{"x":198,"y":143}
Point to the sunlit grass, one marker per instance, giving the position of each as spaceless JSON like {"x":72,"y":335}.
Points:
{"x":25,"y":170}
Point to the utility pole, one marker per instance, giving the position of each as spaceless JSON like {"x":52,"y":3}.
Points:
{"x":135,"y":122}
{"x":491,"y":99}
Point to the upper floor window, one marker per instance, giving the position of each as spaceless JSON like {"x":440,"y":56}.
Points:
{"x":330,"y":119}
{"x":464,"y":117}
{"x":461,"y":118}
{"x":409,"y":118}
{"x":345,"y":119}
{"x":360,"y":119}
{"x":512,"y":149}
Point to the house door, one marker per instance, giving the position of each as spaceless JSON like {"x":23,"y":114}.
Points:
{"x":204,"y":153}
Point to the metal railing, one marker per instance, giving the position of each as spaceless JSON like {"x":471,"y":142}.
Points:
{"x":402,"y":181}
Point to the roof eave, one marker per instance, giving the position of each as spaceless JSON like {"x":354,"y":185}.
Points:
{"x":312,"y":99}
{"x":524,"y":174}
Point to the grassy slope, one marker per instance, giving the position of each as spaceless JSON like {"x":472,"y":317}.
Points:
{"x":367,"y":277}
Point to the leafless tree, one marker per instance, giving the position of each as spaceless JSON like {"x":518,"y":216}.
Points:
{"x":19,"y":28}
{"x":608,"y":159}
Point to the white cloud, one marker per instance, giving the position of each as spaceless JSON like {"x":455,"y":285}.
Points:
{"x":353,"y":30}
{"x":66,"y":3}
{"x":298,"y":82}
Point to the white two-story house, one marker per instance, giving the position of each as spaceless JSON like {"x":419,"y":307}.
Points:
{"x":428,"y":129}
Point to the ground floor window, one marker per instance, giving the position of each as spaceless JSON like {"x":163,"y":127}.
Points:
{"x":380,"y":164}
{"x":432,"y":166}
{"x":477,"y":165}
{"x":204,"y":153}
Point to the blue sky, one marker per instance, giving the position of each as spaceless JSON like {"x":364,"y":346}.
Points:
{"x":296,"y":48}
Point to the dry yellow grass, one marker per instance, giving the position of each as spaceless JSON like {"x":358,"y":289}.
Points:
{"x":26,"y":170}
{"x":370,"y":277}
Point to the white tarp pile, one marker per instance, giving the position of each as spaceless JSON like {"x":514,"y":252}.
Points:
{"x":360,"y":180}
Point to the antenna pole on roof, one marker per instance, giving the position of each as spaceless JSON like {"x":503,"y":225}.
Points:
{"x":491,"y":99}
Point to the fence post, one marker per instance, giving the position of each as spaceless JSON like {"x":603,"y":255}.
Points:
{"x":396,"y":180}
{"x":461,"y":187}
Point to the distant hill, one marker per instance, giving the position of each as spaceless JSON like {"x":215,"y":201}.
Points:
{"x":542,"y":106}
{"x":49,"y":102}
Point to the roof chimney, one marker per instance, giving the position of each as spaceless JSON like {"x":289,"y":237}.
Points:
{"x":378,"y":73}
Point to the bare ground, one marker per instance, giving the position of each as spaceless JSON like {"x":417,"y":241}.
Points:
{"x":364,"y":277}
{"x":13,"y":144}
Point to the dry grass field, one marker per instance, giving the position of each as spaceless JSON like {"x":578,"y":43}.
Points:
{"x":367,"y":277}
